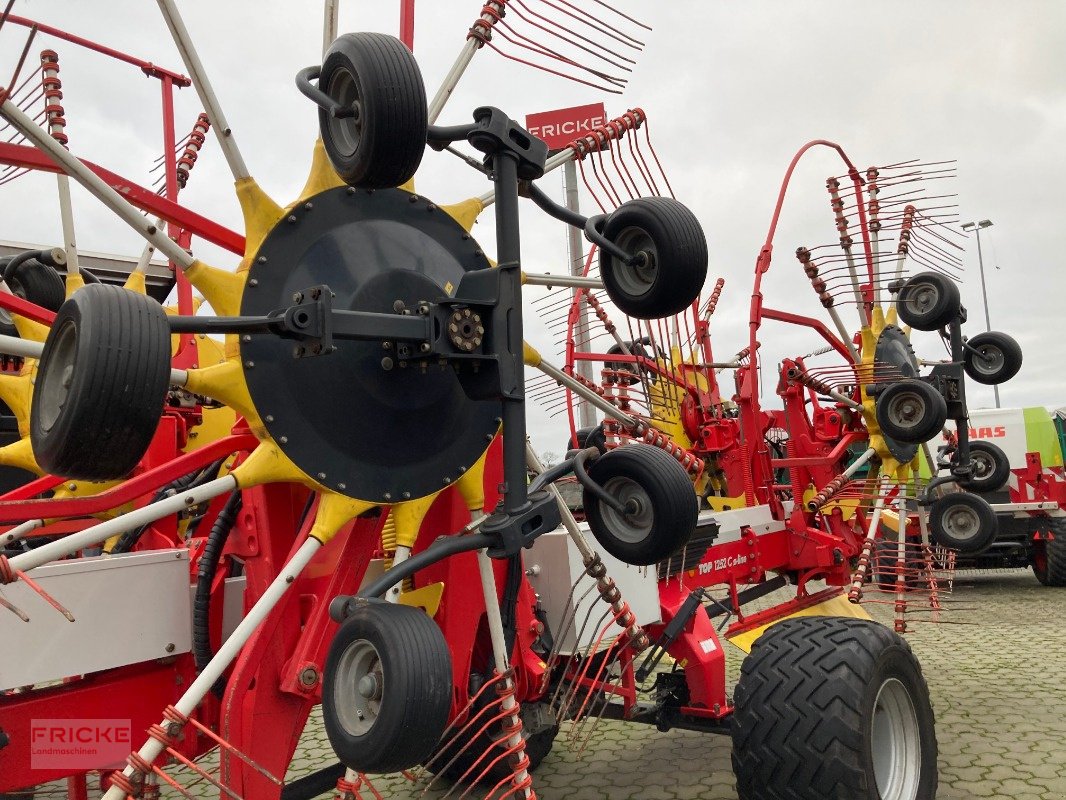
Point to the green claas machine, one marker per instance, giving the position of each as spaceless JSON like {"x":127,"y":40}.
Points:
{"x":1023,"y":451}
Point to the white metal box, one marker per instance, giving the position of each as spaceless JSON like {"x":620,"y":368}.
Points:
{"x":554,"y":563}
{"x":127,"y":609}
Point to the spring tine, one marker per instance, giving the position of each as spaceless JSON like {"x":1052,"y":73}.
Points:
{"x":47,"y":597}
{"x":22,"y":58}
{"x":18,"y":612}
{"x":7,"y":13}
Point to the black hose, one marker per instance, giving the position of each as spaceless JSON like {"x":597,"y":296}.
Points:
{"x":205,"y":576}
{"x":22,"y":258}
{"x":509,"y":601}
{"x":309,"y":786}
{"x":127,"y":540}
{"x":440,"y":549}
{"x":589,"y":484}
{"x":44,"y":257}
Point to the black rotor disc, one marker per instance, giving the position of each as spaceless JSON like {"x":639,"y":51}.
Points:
{"x":376,"y":434}
{"x":894,"y":359}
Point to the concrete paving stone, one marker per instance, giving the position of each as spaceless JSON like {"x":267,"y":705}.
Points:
{"x":971,"y":773}
{"x":996,"y":686}
{"x":976,"y":789}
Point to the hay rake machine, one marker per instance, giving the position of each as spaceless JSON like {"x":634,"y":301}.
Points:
{"x":844,"y":456}
{"x":430,"y":335}
{"x":830,"y":488}
{"x":457,"y":656}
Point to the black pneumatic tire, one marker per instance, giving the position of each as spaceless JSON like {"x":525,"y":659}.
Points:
{"x":963,"y":522}
{"x":1049,"y":555}
{"x":928,"y":301}
{"x":991,"y":468}
{"x":999,"y":360}
{"x":102,"y":381}
{"x":659,"y":487}
{"x":588,"y":437}
{"x":463,"y":757}
{"x":806,"y":704}
{"x":382,"y":146}
{"x":675,"y":265}
{"x":7,"y":326}
{"x":636,"y":372}
{"x":911,"y":411}
{"x":39,"y":284}
{"x":405,"y":653}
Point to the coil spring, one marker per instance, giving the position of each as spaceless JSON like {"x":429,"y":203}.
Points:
{"x":53,"y":95}
{"x":601,"y":314}
{"x":511,"y":728}
{"x":804,"y":378}
{"x":482,"y":28}
{"x":689,"y":460}
{"x":827,"y":493}
{"x":905,"y":230}
{"x":600,"y":138}
{"x":609,"y":592}
{"x":811,"y":270}
{"x":838,"y":209}
{"x":713,"y":301}
{"x":192,"y":148}
{"x":873,"y":206}
{"x":7,"y":573}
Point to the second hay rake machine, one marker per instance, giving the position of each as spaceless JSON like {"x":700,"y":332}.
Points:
{"x":373,"y":294}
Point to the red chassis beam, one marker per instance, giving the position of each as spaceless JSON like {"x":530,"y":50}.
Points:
{"x":25,"y":308}
{"x":19,"y":510}
{"x":32,"y":158}
{"x":137,"y":693}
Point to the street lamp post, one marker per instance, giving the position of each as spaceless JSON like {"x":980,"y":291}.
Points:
{"x":976,"y":226}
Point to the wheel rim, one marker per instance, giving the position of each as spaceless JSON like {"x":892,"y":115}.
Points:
{"x":989,"y":360}
{"x":358,"y":687}
{"x":348,"y":131}
{"x":55,"y":388}
{"x":906,"y":410}
{"x":895,"y":743}
{"x":983,"y":465}
{"x":962,"y":523}
{"x":636,"y":279}
{"x":635,"y":524}
{"x":922,"y":298}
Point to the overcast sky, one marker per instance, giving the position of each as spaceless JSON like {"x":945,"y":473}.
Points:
{"x":732,"y":90}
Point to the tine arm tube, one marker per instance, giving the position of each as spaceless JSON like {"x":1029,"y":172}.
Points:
{"x":859,"y":462}
{"x":845,"y":337}
{"x":575,"y":281}
{"x":125,"y":522}
{"x":21,"y":531}
{"x":228,"y":651}
{"x":569,"y":522}
{"x":26,"y":348}
{"x":585,"y":393}
{"x":451,"y":80}
{"x":329,"y":24}
{"x":207,"y":95}
{"x":550,"y":165}
{"x":147,"y":252}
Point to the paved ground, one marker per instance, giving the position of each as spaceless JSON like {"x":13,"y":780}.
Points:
{"x":998,"y":682}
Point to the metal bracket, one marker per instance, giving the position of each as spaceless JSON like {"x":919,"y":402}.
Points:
{"x":513,"y":531}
